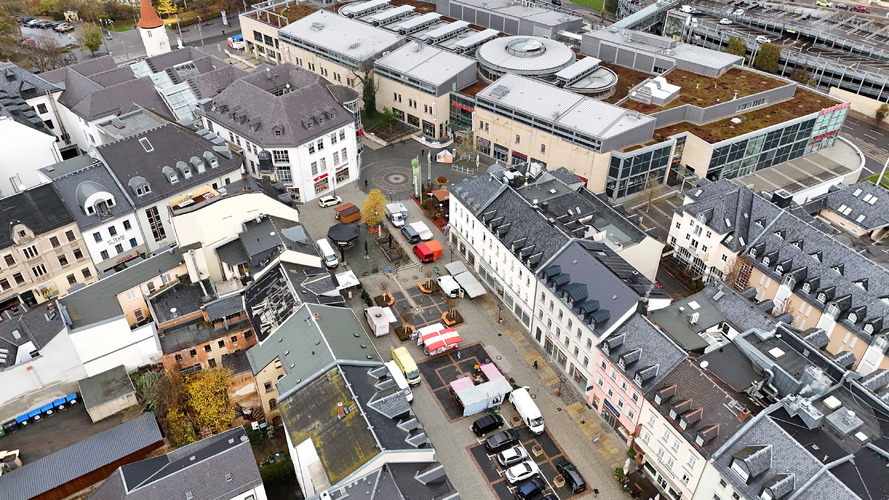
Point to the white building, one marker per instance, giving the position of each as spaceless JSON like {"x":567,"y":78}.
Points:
{"x":152,"y":31}
{"x":104,"y":215}
{"x":159,"y":167}
{"x":23,"y":150}
{"x":293,"y":126}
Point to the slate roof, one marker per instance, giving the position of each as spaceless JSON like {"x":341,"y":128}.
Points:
{"x":98,"y":301}
{"x":867,"y":202}
{"x":220,"y":466}
{"x":208,"y":85}
{"x":658,"y":357}
{"x":128,"y":159}
{"x":80,"y":459}
{"x":709,"y":405}
{"x":306,"y":344}
{"x":785,"y":456}
{"x":86,"y":67}
{"x":16,"y":81}
{"x":39,"y":208}
{"x":37,"y":327}
{"x":69,"y":176}
{"x":612,"y":287}
{"x":399,"y":480}
{"x":105,"y":387}
{"x":251,"y":108}
{"x":793,"y":241}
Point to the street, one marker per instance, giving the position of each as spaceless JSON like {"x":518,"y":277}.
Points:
{"x":871,"y":139}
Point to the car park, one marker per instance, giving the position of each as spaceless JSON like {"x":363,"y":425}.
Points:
{"x":725,"y":20}
{"x":522,"y":471}
{"x":501,"y":439}
{"x":329,"y":201}
{"x":572,"y":477}
{"x":762,"y":39}
{"x":487,"y":424}
{"x":411,"y":234}
{"x":530,"y":488}
{"x":860,"y":8}
{"x":512,"y":456}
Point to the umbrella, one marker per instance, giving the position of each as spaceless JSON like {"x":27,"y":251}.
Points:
{"x":343,"y":233}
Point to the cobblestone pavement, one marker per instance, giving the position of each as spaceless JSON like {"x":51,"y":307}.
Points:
{"x":594,"y":447}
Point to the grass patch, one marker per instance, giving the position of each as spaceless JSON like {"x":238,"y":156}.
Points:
{"x":593,"y":4}
{"x":371,"y":123}
{"x":884,"y":183}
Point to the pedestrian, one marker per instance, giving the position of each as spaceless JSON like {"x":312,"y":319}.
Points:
{"x":595,"y":492}
{"x":459,"y":355}
{"x":535,"y":364}
{"x":583,"y":418}
{"x":223,"y":32}
{"x":365,"y":183}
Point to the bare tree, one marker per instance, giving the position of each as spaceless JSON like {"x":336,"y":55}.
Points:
{"x":406,"y":316}
{"x":652,"y":191}
{"x":46,"y":54}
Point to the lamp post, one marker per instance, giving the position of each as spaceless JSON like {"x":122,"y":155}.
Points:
{"x":200,"y":33}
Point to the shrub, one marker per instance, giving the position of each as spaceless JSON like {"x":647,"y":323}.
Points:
{"x":882,"y":112}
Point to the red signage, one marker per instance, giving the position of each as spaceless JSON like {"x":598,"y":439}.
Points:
{"x":322,"y":176}
{"x":836,"y":108}
{"x":519,"y":155}
{"x":462,"y":106}
{"x":822,"y":136}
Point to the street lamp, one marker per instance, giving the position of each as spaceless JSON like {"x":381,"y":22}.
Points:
{"x":200,"y":33}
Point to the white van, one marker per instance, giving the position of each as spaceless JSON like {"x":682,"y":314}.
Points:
{"x":399,"y":379}
{"x":449,"y":286}
{"x":327,"y":254}
{"x":527,"y":410}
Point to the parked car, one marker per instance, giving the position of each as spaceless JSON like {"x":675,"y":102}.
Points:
{"x":522,"y":471}
{"x":33,"y":23}
{"x":761,"y":39}
{"x":572,"y":477}
{"x":26,"y":20}
{"x":725,"y":20}
{"x":411,"y":234}
{"x":512,"y":456}
{"x":487,"y":424}
{"x":422,"y":229}
{"x":329,"y":201}
{"x":64,"y":28}
{"x":501,"y":439}
{"x":860,"y":8}
{"x":530,"y":488}
{"x":685,"y":8}
{"x":823,"y":3}
{"x":738,"y":12}
{"x":842,"y":6}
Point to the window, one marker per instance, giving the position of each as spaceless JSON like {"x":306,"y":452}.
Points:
{"x":39,"y":270}
{"x":104,"y":254}
{"x":70,"y":235}
{"x":336,"y":157}
{"x":126,"y":225}
{"x":78,"y":254}
{"x":10,"y":260}
{"x":333,"y":138}
{"x":344,"y":155}
{"x":133,"y":243}
{"x":30,"y":252}
{"x":4,"y":284}
{"x":320,"y":144}
{"x":178,"y":357}
{"x":156,"y":224}
{"x":273,"y":404}
{"x":311,"y":148}
{"x":71,"y":279}
{"x":41,"y":108}
{"x":518,"y":139}
{"x":211,"y":362}
{"x":131,"y":295}
{"x":54,"y":242}
{"x":118,"y":248}
{"x":207,"y":348}
{"x":281,"y":156}
{"x":112,"y":231}
{"x":87,"y":274}
{"x":268,"y":387}
{"x":63,"y":260}
{"x":543,"y":149}
{"x":98,"y":237}
{"x":193,"y":352}
{"x":19,"y":279}
{"x":692,"y":461}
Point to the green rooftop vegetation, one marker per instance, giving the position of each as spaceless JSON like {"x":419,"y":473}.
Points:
{"x":804,"y":102}
{"x":704,"y":91}
{"x":626,"y":79}
{"x":293,"y":12}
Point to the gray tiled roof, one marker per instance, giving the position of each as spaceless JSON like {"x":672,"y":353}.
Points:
{"x":39,"y":208}
{"x":399,"y":480}
{"x":68,"y":176}
{"x":37,"y":326}
{"x":98,"y":102}
{"x":251,"y":109}
{"x":718,"y":406}
{"x":874,"y":212}
{"x":17,"y":81}
{"x":209,"y":85}
{"x":127,"y":159}
{"x":80,"y":459}
{"x":105,"y":387}
{"x":217,"y":467}
{"x":98,"y":301}
{"x":659,"y":354}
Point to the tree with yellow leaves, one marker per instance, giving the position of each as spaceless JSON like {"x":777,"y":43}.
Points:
{"x":166,"y":7}
{"x":374,"y":208}
{"x":206,"y":394}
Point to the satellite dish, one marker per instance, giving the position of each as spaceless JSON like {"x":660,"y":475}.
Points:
{"x":705,"y":364}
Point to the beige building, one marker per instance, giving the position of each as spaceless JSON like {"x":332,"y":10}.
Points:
{"x":260,"y":30}
{"x":43,"y":252}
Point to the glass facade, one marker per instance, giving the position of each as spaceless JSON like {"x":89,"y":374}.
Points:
{"x":628,"y":172}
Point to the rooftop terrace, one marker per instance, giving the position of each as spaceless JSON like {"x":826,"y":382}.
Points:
{"x":803,"y":103}
{"x":704,"y":91}
{"x":291,"y":11}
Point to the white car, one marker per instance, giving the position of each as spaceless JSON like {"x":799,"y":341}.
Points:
{"x":522,"y":471}
{"x":512,"y":456}
{"x":686,"y":9}
{"x":423,"y":230}
{"x":738,"y":12}
{"x":329,"y":201}
{"x":762,"y":39}
{"x":725,"y":20}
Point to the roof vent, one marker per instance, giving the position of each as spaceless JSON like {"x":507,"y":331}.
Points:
{"x":146,"y":145}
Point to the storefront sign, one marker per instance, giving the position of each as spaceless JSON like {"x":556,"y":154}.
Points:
{"x":519,"y":155}
{"x":462,"y":106}
{"x":322,"y":176}
{"x":822,"y":136}
{"x":127,"y":257}
{"x":116,"y":239}
{"x":836,"y":108}
{"x":612,"y":408}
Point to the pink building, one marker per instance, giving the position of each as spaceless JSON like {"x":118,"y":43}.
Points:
{"x":635,"y":358}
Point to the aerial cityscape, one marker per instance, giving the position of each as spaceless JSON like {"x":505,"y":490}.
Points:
{"x":432,"y":250}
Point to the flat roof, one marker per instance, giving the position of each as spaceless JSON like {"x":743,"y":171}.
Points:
{"x":573,"y":111}
{"x":424,"y":62}
{"x":801,"y":173}
{"x":653,"y":44}
{"x":105,"y":387}
{"x":341,"y":35}
{"x":531,"y":55}
{"x":528,"y":11}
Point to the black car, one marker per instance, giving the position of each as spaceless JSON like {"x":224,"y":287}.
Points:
{"x":411,"y":234}
{"x":530,"y":488}
{"x":572,"y":477}
{"x":501,"y":439}
{"x":487,"y":424}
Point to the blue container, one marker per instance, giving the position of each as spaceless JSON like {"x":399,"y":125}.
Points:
{"x":59,"y":404}
{"x":46,"y":409}
{"x":22,"y":419}
{"x":71,"y":398}
{"x":33,"y":413}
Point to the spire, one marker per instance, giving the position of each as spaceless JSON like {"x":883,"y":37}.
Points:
{"x":148,"y":17}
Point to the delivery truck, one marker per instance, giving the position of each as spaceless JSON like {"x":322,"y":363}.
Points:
{"x":428,"y":251}
{"x":379,"y":319}
{"x":397,"y":213}
{"x":527,"y":409}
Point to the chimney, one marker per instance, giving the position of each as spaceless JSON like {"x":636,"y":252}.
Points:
{"x":642,"y":307}
{"x":743,"y":414}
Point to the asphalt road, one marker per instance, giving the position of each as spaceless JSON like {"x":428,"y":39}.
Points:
{"x":876,"y":143}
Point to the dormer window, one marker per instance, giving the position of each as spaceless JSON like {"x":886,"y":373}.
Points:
{"x":779,"y":269}
{"x":673,"y":414}
{"x":816,"y":256}
{"x":699,"y":440}
{"x":861,"y":284}
{"x":753,"y":252}
{"x":766,"y":260}
{"x":822,"y":297}
{"x":869,"y":328}
{"x":852,"y":318}
{"x":683,"y":424}
{"x":838,"y":270}
{"x":170,"y":174}
{"x":211,"y":159}
{"x":807,"y":287}
{"x":657,"y":399}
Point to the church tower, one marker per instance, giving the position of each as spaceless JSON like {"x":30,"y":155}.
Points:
{"x":151,"y":30}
